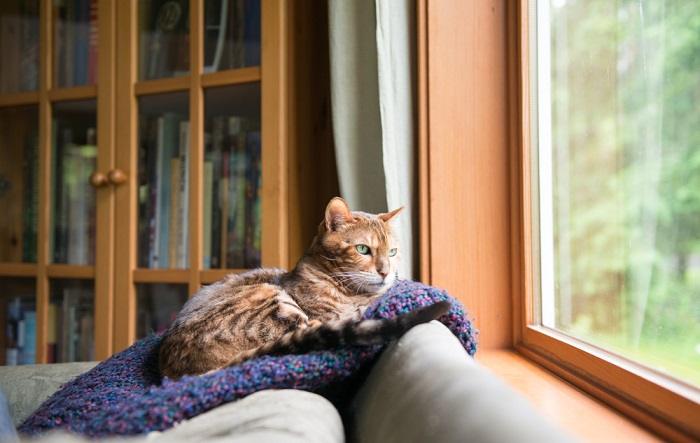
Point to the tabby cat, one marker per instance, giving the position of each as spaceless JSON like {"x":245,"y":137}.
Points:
{"x":318,"y":305}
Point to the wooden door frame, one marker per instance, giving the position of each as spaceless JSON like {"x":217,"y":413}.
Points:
{"x":484,"y":255}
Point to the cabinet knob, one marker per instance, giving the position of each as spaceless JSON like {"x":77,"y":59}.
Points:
{"x":98,"y":180}
{"x":116,"y":177}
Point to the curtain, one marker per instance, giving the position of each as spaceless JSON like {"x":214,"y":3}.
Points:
{"x":372,"y":93}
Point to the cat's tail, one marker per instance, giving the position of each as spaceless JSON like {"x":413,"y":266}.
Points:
{"x":320,"y":336}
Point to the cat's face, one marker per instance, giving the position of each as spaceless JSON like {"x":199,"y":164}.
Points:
{"x":358,"y":248}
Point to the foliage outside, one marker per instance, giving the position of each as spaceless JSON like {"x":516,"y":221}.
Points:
{"x":626,"y":177}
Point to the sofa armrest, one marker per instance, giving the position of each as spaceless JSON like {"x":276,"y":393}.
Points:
{"x":26,"y":387}
{"x":426,"y":388}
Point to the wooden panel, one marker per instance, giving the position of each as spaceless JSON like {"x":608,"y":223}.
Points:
{"x":196,"y":142}
{"x":104,"y":241}
{"x":274,"y":203}
{"x":231,"y":77}
{"x":126,"y":160}
{"x":468,"y":172}
{"x":79,"y":92}
{"x":162,"y":85}
{"x":70,"y":271}
{"x":313,"y":179}
{"x":18,"y":270}
{"x":19,"y":98}
{"x":424,"y":243}
{"x":44,"y":174}
{"x":214,"y":275}
{"x":664,"y":405}
{"x":562,"y":403}
{"x":161,"y":275}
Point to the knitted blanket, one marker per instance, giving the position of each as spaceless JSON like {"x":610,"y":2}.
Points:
{"x":125,"y":395}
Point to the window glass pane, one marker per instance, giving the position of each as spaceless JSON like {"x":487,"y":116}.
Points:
{"x":618,"y":136}
{"x":75,"y":42}
{"x":231,"y":34}
{"x":19,"y":45}
{"x":164,"y":38}
{"x":157,"y":306}
{"x":74,"y":159}
{"x":164,"y":139}
{"x":71,"y":321}
{"x":232,"y":170}
{"x":19,"y":186}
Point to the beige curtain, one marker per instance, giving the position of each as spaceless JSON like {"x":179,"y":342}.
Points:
{"x":372,"y":71}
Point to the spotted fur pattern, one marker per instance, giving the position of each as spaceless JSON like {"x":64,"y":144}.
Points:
{"x":317,"y":305}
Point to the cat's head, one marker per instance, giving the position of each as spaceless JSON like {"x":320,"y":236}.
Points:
{"x":358,"y":249}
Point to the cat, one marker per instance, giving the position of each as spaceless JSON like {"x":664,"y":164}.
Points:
{"x":318,"y":305}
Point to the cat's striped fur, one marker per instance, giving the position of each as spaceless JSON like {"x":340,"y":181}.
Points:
{"x":317,"y":305}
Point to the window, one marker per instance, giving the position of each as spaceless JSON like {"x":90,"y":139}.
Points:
{"x":618,"y":143}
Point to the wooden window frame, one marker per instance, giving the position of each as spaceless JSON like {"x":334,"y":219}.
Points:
{"x":494,"y":36}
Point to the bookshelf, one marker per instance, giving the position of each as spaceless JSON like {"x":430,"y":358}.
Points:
{"x":145,"y":150}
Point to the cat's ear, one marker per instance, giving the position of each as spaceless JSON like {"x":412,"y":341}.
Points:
{"x":337,"y":214}
{"x":385,"y":217}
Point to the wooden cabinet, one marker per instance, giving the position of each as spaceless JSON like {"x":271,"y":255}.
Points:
{"x":144,"y":149}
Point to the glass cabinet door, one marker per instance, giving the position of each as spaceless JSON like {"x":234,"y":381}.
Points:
{"x":74,"y":160}
{"x":19,"y":45}
{"x":19,"y":183}
{"x":164,"y":35}
{"x":75,"y":42}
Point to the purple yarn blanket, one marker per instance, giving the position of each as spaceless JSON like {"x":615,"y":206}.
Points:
{"x":125,"y":395}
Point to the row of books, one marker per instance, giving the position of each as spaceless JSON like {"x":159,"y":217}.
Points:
{"x":163,"y":192}
{"x":70,"y":333}
{"x":232,"y":34}
{"x":73,"y":220}
{"x":76,"y":42}
{"x":19,"y":45}
{"x":20,"y":331}
{"x":232,"y":173}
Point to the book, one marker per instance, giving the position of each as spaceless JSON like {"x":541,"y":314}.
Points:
{"x":51,"y":341}
{"x":183,"y":216}
{"x":10,"y":38}
{"x":253,"y":220}
{"x":208,"y":186}
{"x":237,"y":189}
{"x":27,"y":354}
{"x":174,"y":212}
{"x":167,"y":147}
{"x":92,"y":44}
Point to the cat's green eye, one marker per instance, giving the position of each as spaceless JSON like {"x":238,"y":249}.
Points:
{"x":392,"y":252}
{"x":362,"y":249}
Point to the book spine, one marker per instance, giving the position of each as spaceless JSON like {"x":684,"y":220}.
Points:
{"x":92,"y":51}
{"x":253,"y":220}
{"x":155,"y":259}
{"x":173,"y":244}
{"x":28,"y":354}
{"x":185,"y":192}
{"x":30,"y":198}
{"x":208,"y":171}
{"x":51,"y":342}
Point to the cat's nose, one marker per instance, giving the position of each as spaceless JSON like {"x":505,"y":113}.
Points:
{"x":383,"y":272}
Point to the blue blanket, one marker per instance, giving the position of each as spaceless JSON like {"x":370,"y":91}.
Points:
{"x":125,"y":394}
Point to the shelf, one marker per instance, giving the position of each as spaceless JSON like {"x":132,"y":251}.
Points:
{"x":19,"y":99}
{"x":18,"y":270}
{"x":76,"y":93}
{"x":142,"y":275}
{"x":213,"y":275}
{"x":231,"y":77}
{"x":70,"y":271}
{"x":162,"y":85}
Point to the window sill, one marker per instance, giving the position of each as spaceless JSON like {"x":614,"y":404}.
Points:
{"x":562,"y":403}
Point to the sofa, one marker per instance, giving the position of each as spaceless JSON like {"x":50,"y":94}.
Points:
{"x":424,"y":387}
